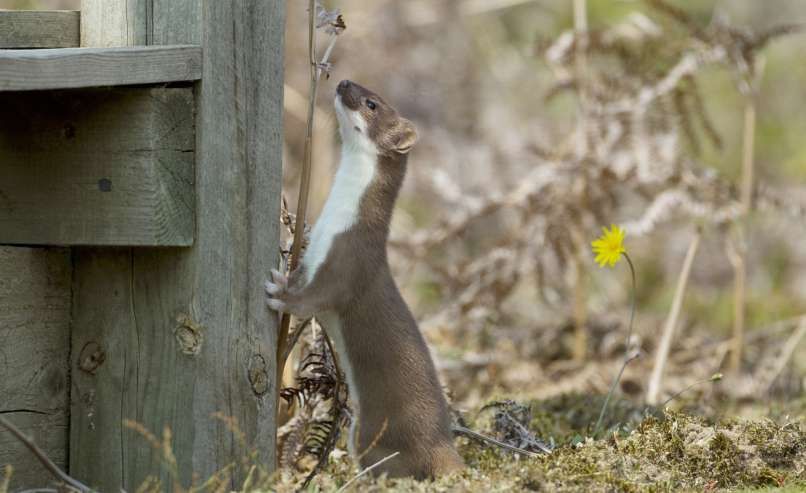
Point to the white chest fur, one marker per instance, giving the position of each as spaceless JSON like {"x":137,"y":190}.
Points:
{"x":355,"y":173}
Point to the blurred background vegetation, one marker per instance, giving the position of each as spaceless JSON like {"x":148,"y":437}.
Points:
{"x":474,"y":76}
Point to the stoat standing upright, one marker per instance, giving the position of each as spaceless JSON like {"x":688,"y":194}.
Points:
{"x":345,"y":281}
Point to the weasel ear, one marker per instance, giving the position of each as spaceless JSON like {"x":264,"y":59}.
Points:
{"x":405,"y":136}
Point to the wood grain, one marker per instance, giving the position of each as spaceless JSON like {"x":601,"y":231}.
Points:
{"x":188,"y":327}
{"x":34,"y":352}
{"x":39,"y":28}
{"x":97,"y":167}
{"x":68,"y":68}
{"x":106,"y":23}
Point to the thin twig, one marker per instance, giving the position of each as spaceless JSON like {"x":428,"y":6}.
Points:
{"x":375,"y":440}
{"x":42,"y":457}
{"x":292,"y":340}
{"x":304,"y":181}
{"x":490,"y":440}
{"x":365,"y":471}
{"x":788,"y":351}
{"x":653,"y":390}
{"x":283,"y":346}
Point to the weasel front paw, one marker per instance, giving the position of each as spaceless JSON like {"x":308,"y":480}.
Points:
{"x":276,"y":291}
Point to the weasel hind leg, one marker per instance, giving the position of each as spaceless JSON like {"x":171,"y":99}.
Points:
{"x":445,"y":460}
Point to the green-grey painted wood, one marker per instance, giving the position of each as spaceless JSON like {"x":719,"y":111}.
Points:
{"x":70,"y":68}
{"x":34,"y":352}
{"x":97,"y":167}
{"x":189,"y":326}
{"x":39,"y":28}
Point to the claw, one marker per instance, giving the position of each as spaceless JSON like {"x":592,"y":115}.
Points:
{"x":272,"y":288}
{"x":276,"y":304}
{"x":279,"y":278}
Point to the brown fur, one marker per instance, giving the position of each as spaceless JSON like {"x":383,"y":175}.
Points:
{"x":402,"y":407}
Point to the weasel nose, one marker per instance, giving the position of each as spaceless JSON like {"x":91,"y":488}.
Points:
{"x":344,"y":85}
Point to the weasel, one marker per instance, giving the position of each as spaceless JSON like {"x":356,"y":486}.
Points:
{"x":344,"y":280}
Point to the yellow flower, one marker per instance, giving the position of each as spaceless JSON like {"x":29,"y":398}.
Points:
{"x":608,"y":248}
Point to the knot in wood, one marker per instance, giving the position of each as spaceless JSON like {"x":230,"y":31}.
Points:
{"x":189,"y":335}
{"x":91,"y":357}
{"x":258,"y":375}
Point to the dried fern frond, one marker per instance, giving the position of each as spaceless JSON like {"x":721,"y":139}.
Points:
{"x":322,"y":410}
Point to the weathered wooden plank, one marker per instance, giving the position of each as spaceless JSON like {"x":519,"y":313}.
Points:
{"x":34,"y":353}
{"x":68,"y":68}
{"x":140,"y":22}
{"x":105,"y":367}
{"x":204,"y":338}
{"x":176,"y":22}
{"x":97,"y":167}
{"x":113,"y":23}
{"x":39,"y":28}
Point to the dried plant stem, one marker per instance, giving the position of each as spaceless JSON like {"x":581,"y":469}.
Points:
{"x":580,"y":309}
{"x":365,"y":471}
{"x":737,"y":257}
{"x":738,"y":254}
{"x":628,"y":357}
{"x":783,"y":359}
{"x":490,"y":440}
{"x":293,"y":338}
{"x":580,"y":298}
{"x":581,"y":36}
{"x":43,"y":458}
{"x":302,"y":203}
{"x":305,"y":176}
{"x":662,"y":356}
{"x":748,"y":146}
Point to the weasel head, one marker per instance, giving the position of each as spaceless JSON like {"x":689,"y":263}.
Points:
{"x":370,"y":124}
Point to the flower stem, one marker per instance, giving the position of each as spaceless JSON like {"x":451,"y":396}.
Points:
{"x":713,"y":378}
{"x":627,"y":356}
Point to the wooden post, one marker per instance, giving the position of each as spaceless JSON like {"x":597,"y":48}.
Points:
{"x":168,"y":337}
{"x":34,"y":354}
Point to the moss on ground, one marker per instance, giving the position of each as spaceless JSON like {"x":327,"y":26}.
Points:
{"x":641,"y":451}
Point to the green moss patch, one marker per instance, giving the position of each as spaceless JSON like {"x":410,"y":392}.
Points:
{"x":641,"y":451}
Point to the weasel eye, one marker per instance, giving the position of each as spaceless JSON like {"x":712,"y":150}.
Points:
{"x":370,"y":104}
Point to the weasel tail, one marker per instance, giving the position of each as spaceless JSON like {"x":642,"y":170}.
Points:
{"x":345,"y":281}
